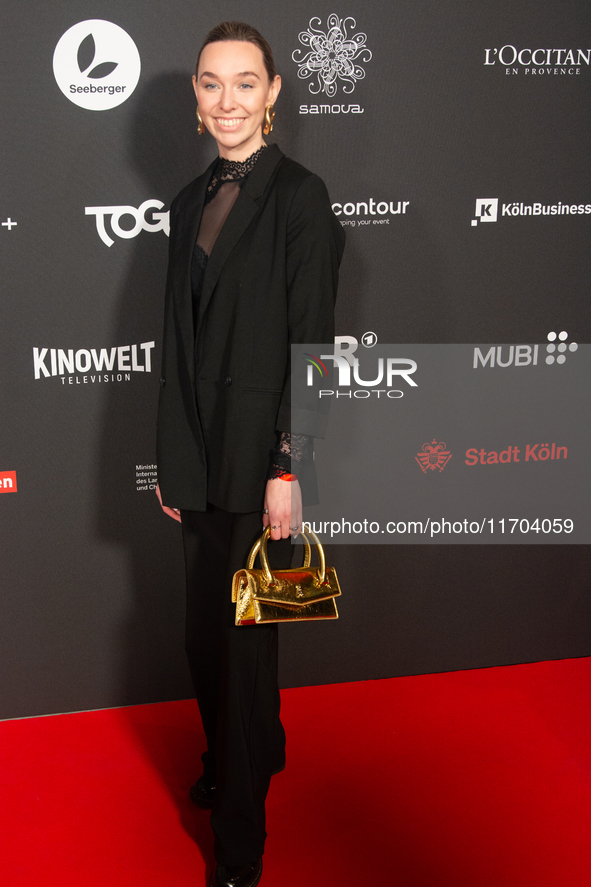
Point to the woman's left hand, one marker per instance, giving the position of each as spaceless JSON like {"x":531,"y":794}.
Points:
{"x":283,"y":502}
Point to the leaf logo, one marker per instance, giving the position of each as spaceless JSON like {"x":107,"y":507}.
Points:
{"x":86,"y":56}
{"x":96,"y":65}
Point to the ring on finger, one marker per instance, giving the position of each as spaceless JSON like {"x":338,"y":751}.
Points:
{"x":276,"y":527}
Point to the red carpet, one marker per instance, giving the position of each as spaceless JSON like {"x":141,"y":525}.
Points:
{"x":469,"y":779}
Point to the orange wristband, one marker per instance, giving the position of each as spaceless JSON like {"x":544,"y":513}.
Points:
{"x":288,"y":477}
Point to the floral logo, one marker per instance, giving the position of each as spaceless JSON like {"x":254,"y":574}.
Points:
{"x":331,"y":55}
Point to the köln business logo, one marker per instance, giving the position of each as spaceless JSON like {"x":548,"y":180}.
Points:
{"x":487,"y":209}
{"x":96,"y":65}
{"x":330,"y":58}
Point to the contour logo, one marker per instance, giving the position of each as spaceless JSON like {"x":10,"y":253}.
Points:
{"x":331,"y":55}
{"x":96,"y":65}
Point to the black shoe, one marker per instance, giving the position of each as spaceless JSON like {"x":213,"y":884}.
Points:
{"x":202,"y":793}
{"x":237,"y":875}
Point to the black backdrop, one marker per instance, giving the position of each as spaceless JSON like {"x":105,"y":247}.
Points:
{"x":450,"y":110}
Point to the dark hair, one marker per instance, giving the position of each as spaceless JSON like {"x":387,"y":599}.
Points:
{"x":247,"y":34}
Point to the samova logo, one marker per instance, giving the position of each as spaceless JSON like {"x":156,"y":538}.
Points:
{"x":328,"y":57}
{"x":96,"y":65}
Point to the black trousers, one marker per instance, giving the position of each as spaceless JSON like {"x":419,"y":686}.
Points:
{"x":234,"y":671}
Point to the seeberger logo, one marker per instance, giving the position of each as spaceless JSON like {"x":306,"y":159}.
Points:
{"x":487,"y":209}
{"x":334,"y":55}
{"x":96,"y":65}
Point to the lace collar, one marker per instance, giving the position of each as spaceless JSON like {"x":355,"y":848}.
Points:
{"x":231,"y":171}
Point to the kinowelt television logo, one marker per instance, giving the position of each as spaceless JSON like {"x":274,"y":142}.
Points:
{"x":359,"y":377}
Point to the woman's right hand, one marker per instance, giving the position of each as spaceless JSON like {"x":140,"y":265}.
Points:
{"x":174,"y":513}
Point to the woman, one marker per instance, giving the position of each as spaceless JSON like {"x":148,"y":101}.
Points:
{"x":254,"y":256}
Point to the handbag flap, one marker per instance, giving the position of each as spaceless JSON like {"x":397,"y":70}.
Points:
{"x":294,"y":588}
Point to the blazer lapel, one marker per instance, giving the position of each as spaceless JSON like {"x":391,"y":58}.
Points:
{"x":240,"y":217}
{"x":186,"y":234}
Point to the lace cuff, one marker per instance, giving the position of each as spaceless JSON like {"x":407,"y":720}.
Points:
{"x":289,"y":450}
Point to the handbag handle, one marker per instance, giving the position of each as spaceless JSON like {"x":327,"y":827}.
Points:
{"x":261,"y":546}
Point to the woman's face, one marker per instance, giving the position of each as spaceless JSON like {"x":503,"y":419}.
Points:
{"x":232,"y":88}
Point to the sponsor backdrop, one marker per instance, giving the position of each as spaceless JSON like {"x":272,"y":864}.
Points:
{"x":454,"y":141}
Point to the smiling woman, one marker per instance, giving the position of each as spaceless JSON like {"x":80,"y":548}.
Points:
{"x":235,"y":83}
{"x":254,"y":256}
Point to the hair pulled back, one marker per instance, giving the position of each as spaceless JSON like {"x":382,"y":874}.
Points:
{"x":245,"y":33}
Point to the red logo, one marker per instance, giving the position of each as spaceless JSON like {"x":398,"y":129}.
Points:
{"x":434,"y":456}
{"x":7,"y":481}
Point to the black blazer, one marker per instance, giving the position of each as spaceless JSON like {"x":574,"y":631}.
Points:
{"x":270,"y":281}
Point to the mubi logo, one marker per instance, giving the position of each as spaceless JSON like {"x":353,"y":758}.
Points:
{"x":486,"y":210}
{"x":96,"y":65}
{"x":160,"y":221}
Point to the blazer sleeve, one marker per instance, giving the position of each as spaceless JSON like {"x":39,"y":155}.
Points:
{"x":314,"y":247}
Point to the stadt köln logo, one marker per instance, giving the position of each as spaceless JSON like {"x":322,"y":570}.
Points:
{"x":330,"y":56}
{"x":434,"y":456}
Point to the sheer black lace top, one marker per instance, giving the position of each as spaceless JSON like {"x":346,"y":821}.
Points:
{"x":227,"y":179}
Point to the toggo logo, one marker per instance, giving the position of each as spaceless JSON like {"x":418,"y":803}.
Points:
{"x":160,"y":221}
{"x":487,"y":209}
{"x":389,"y":371}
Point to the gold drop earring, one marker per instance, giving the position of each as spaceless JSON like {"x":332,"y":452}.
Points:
{"x":269,"y":118}
{"x":200,"y":126}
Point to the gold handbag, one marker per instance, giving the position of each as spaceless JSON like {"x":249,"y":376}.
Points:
{"x":285,"y":595}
